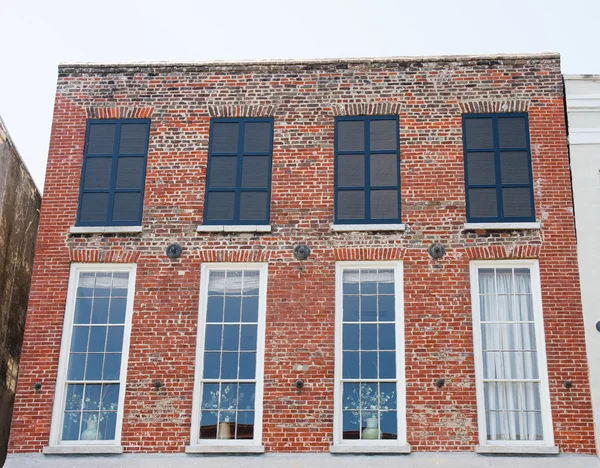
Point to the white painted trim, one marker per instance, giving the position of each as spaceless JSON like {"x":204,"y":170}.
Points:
{"x":225,"y":449}
{"x":83,"y":450}
{"x":370,"y":446}
{"x":59,"y":395}
{"x":105,"y":229}
{"x":384,"y":449}
{"x":367,"y":227}
{"x":584,"y":138}
{"x":500,"y":226}
{"x":199,"y":445}
{"x":524,"y":449}
{"x":233,"y":228}
{"x":538,"y":315}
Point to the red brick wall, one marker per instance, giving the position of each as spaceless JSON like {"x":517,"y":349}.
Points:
{"x":430,"y":97}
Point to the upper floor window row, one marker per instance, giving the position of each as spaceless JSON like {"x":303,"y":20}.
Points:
{"x":113,"y":174}
{"x":498,"y":176}
{"x":497,"y":158}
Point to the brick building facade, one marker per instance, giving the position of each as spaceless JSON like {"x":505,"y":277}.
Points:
{"x":364,"y":162}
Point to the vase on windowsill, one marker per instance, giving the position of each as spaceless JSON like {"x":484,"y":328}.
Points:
{"x":224,"y":430}
{"x":371,"y":432}
{"x":91,"y":430}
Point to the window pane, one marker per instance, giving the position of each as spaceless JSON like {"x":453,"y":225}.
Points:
{"x":512,"y":132}
{"x":510,"y":365}
{"x":222,"y":172}
{"x":83,"y":310}
{"x":253,"y":206}
{"x":479,"y":133}
{"x":351,"y":308}
{"x":76,"y":366}
{"x":112,"y":366}
{"x":389,"y":425}
{"x":114,"y":339}
{"x":384,"y":204}
{"x":219,"y":206}
{"x":517,"y":202}
{"x":350,"y":368}
{"x":386,"y":308}
{"x":387,"y":365}
{"x":368,"y":364}
{"x":250,"y":309}
{"x":231,"y":337}
{"x":79,"y":340}
{"x":127,"y":207}
{"x":224,"y":138}
{"x":483,"y":203}
{"x":133,"y":138}
{"x":93,"y":369}
{"x":351,"y":205}
{"x":351,"y":279}
{"x":515,"y":167}
{"x":351,"y":170}
{"x":247,"y":365}
{"x":213,"y":337}
{"x":508,"y":336}
{"x":130,"y":173}
{"x":255,"y":172}
{"x":350,"y":337}
{"x":368,"y":337}
{"x":368,"y":308}
{"x":117,"y":310}
{"x":94,"y":207}
{"x":229,"y":365}
{"x":384,"y":134}
{"x":100,"y":310}
{"x":387,"y":337}
{"x":257,"y":137}
{"x":212,"y":365}
{"x":101,"y":138}
{"x":351,"y":135}
{"x":248,"y":338}
{"x":97,"y":173}
{"x":208,"y":424}
{"x":384,"y":170}
{"x":233,"y":307}
{"x":481,"y":169}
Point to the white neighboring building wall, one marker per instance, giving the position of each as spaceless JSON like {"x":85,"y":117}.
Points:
{"x":583,"y":111}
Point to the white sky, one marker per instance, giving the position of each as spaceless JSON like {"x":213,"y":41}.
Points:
{"x":37,"y":35}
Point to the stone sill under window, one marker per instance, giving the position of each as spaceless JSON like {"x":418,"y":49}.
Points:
{"x":368,"y":227}
{"x":191,"y":449}
{"x":83,"y":450}
{"x":500,"y":226}
{"x":371,"y":449}
{"x":517,"y":449}
{"x":105,"y":229}
{"x":234,"y":228}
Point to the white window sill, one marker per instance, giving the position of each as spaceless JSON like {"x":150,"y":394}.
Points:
{"x":500,"y":226}
{"x":105,"y":229}
{"x":233,"y":228}
{"x":82,"y":449}
{"x":225,"y":449}
{"x":367,"y":227}
{"x":383,"y":449}
{"x":517,"y":449}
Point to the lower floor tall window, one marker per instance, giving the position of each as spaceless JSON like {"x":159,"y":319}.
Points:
{"x":91,"y":381}
{"x":370,"y":393}
{"x":512,"y":382}
{"x":228,"y":396}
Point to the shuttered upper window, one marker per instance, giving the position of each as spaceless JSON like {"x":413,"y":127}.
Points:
{"x":114,"y":169}
{"x":238,"y":178}
{"x":499,"y":182}
{"x":367,"y":172}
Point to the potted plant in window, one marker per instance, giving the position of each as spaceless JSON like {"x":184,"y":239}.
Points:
{"x":223,"y":400}
{"x":91,"y":431}
{"x":370,"y":403}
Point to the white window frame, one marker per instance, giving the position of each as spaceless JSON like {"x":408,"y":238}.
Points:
{"x":82,"y":446}
{"x":198,"y":445}
{"x":399,"y":445}
{"x":508,"y":446}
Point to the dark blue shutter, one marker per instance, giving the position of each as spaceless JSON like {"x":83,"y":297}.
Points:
{"x":367,"y":170}
{"x":499,"y":184}
{"x":113,"y":174}
{"x":239,"y":171}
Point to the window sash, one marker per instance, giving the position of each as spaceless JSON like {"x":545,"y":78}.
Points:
{"x":112,"y":189}
{"x":238,"y":190}
{"x":201,"y":381}
{"x":398,"y":381}
{"x":499,"y":185}
{"x":367,"y":187}
{"x":59,"y":407}
{"x":520,"y":428}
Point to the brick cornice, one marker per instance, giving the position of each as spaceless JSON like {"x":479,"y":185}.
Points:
{"x":233,"y":256}
{"x":103,"y":256}
{"x":483,"y":106}
{"x":367,"y":108}
{"x":499,"y":252}
{"x":119,"y":112}
{"x":386,"y":253}
{"x":242,"y":111}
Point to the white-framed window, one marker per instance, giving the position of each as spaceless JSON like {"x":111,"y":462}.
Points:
{"x":228,"y":389}
{"x":90,"y":389}
{"x":370,"y":394}
{"x":513,"y":401}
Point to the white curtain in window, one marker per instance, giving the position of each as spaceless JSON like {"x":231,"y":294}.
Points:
{"x":511,"y":378}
